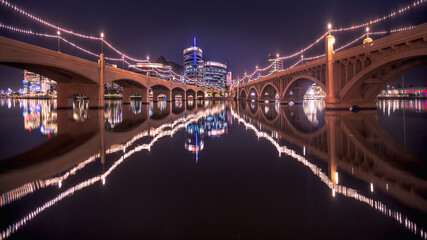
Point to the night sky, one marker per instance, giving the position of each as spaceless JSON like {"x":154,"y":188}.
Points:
{"x":240,"y":33}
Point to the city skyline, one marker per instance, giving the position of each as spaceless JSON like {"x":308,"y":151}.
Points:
{"x":236,"y":35}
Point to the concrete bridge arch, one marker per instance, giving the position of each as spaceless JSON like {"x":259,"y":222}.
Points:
{"x":267,"y":88}
{"x":375,"y":77}
{"x":298,"y":86}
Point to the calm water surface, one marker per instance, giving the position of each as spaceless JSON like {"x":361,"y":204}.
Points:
{"x":212,"y":170}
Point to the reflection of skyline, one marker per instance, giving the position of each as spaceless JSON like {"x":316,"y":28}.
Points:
{"x":168,"y":129}
{"x":389,"y":107}
{"x":213,"y":125}
{"x":37,"y":114}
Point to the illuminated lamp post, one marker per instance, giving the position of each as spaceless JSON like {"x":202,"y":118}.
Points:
{"x":368,"y":41}
{"x":102,"y":43}
{"x":59,"y":37}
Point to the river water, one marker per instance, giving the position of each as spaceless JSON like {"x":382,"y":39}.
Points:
{"x":212,"y":170}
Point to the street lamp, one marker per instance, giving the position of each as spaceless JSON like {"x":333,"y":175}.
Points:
{"x":59,"y":33}
{"x":102,"y":43}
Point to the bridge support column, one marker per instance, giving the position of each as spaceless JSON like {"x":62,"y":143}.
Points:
{"x":332,"y":99}
{"x":66,"y":92}
{"x":127,"y":93}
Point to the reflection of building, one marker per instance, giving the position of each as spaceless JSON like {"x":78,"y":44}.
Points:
{"x":193,"y":62}
{"x":113,"y":114}
{"x":216,"y":125}
{"x":313,"y":110}
{"x":157,"y":70}
{"x":194,"y":135}
{"x":36,"y":83}
{"x":40,"y":114}
{"x":212,"y":126}
{"x":275,"y":62}
{"x":215,"y":73}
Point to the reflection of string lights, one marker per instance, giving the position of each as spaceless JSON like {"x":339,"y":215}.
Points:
{"x":22,"y":191}
{"x":334,"y":186}
{"x":176,"y":126}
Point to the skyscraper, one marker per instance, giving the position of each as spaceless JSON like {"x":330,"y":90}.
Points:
{"x":193,"y":62}
{"x":215,"y":73}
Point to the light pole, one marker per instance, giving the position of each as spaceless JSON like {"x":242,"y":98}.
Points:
{"x":59,"y":36}
{"x":123,"y":62}
{"x":102,"y":43}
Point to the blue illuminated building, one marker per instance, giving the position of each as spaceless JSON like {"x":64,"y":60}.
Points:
{"x":193,"y":63}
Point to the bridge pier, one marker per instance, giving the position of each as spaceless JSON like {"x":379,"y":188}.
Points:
{"x":332,"y":99}
{"x":66,"y":92}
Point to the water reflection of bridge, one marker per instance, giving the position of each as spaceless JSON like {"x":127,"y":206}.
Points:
{"x":352,"y":142}
{"x":79,"y":140}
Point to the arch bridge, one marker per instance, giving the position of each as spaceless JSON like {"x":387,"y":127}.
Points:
{"x":75,"y":76}
{"x":350,"y":77}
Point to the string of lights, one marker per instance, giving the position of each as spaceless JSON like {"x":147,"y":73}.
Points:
{"x":380,"y":19}
{"x":40,"y":20}
{"x":322,"y":55}
{"x":371,"y":22}
{"x":155,"y":69}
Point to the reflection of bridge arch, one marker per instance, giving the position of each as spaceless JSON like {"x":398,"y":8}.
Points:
{"x":298,"y":86}
{"x":356,"y":144}
{"x":271,"y":115}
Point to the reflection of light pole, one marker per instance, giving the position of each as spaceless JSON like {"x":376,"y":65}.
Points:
{"x":102,"y":43}
{"x":59,"y":33}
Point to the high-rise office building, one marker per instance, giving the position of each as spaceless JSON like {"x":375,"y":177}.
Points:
{"x":193,"y":62}
{"x":34,"y":82}
{"x":215,"y":73}
{"x":275,"y":62}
